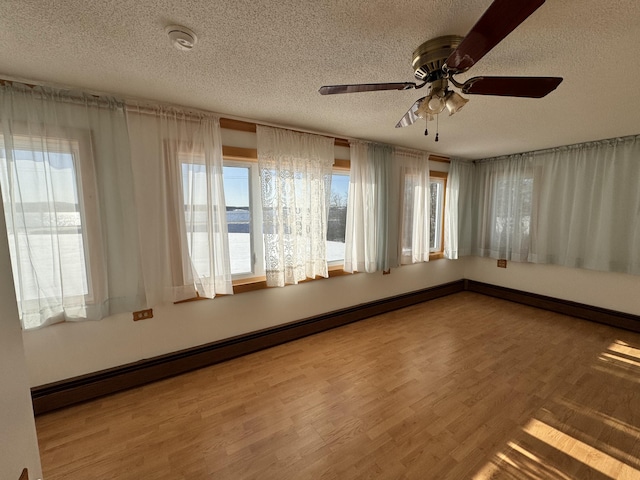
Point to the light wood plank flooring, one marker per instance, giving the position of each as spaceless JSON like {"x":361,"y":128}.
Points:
{"x":463,"y":387}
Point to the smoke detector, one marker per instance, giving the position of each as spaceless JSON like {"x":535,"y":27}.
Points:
{"x":181,"y":37}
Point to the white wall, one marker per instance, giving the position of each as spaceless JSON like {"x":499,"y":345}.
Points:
{"x":615,"y":291}
{"x":69,"y":349}
{"x":18,"y":443}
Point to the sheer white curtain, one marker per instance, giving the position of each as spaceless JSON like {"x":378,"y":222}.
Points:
{"x":577,"y":206}
{"x":458,"y":206}
{"x":68,"y":198}
{"x":504,"y":207}
{"x":371,"y":238}
{"x":415,"y":197}
{"x":295,"y":177}
{"x":589,"y":206}
{"x":179,"y":179}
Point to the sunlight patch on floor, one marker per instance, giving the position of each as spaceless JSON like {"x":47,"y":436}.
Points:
{"x":621,"y":360}
{"x":600,"y":417}
{"x":590,"y":456}
{"x":622,"y":347}
{"x":616,"y":358}
{"x":562,"y":441}
{"x":518,"y":463}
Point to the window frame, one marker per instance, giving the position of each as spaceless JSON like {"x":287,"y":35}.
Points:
{"x":439,"y":176}
{"x":339,"y":168}
{"x":434,"y":253}
{"x":79,"y":147}
{"x":256,"y":241}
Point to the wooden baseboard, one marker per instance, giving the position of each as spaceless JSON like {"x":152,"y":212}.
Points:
{"x":86,"y":387}
{"x":580,"y":310}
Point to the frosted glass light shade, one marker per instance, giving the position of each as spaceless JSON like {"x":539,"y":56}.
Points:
{"x":454,"y":102}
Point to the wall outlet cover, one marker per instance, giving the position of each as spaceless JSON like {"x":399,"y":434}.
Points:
{"x":143,"y":314}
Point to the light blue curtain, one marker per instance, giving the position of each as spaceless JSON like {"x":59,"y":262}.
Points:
{"x":458,"y":205}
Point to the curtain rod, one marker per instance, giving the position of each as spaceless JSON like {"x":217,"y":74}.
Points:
{"x":130,"y":102}
{"x":590,"y":144}
{"x":148,"y":106}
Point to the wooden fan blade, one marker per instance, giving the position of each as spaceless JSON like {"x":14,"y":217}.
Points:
{"x":500,"y":19}
{"x":532,"y":87}
{"x":365,"y":87}
{"x":410,"y":117}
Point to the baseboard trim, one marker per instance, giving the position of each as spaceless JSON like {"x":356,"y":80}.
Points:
{"x":613,"y":318}
{"x":87,"y":387}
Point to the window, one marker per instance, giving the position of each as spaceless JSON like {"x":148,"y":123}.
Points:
{"x":512,"y":221}
{"x":504,"y":209}
{"x":194,"y":190}
{"x":411,"y":201}
{"x":411,"y":182}
{"x":337,"y":221}
{"x":236,"y":191}
{"x":244,"y":218}
{"x":244,"y":214}
{"x":241,"y":214}
{"x":436,"y":234}
{"x":49,"y":205}
{"x":68,"y":197}
{"x":236,"y":184}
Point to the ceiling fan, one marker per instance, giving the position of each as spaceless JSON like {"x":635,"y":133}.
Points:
{"x":436,"y":61}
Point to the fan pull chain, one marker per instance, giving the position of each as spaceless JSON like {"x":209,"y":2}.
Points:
{"x":437,"y":119}
{"x":426,"y":125}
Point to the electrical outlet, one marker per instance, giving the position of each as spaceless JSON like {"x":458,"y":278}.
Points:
{"x":143,"y":314}
{"x":502,"y":263}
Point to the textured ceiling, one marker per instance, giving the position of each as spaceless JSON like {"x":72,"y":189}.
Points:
{"x":265,"y":60}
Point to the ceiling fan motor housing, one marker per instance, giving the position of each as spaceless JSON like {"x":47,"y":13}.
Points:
{"x":429,"y":57}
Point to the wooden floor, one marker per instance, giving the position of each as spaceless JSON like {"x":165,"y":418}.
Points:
{"x":463,"y":387}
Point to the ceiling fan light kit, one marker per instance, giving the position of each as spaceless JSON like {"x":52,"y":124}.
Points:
{"x":454,"y":102}
{"x":435,"y":104}
{"x":436,"y":61}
